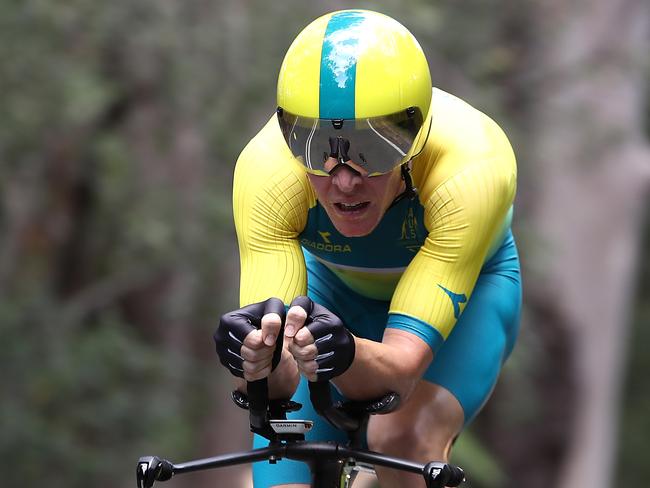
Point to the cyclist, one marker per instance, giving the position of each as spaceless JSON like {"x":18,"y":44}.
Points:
{"x":388,"y":204}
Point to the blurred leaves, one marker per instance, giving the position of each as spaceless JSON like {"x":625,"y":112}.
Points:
{"x":120,"y":126}
{"x":635,"y":424}
{"x":485,"y":469}
{"x":75,"y":405}
{"x":111,"y":237}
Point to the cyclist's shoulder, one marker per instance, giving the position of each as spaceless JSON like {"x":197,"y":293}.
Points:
{"x":459,"y":126}
{"x":266,"y":149}
{"x":266,"y":160}
{"x":462,"y":140}
{"x":267,"y":177}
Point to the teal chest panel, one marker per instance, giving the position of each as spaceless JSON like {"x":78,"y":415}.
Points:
{"x":392,"y":244}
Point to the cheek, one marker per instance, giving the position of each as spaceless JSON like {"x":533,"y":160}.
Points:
{"x":385,"y":188}
{"x":320,"y":184}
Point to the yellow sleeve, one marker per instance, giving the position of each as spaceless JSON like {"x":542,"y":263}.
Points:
{"x":271,"y":198}
{"x":467,"y":183}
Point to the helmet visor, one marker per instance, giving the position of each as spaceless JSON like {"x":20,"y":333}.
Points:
{"x":371,"y":146}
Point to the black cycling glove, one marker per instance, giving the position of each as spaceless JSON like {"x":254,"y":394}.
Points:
{"x":236,"y":325}
{"x":335,"y":344}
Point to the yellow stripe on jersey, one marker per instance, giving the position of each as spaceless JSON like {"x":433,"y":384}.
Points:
{"x":378,"y":284}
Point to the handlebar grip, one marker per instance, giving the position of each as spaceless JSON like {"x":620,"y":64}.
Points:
{"x":321,"y":399}
{"x":456,"y":477}
{"x":320,"y":396}
{"x":440,"y":475}
{"x":151,"y":469}
{"x":258,"y":397}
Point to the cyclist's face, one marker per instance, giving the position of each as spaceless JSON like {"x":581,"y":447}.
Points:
{"x":355,"y":203}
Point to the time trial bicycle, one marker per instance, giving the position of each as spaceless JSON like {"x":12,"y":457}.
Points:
{"x":332,"y":464}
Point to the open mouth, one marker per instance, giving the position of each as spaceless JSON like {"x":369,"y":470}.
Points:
{"x":351,"y":207}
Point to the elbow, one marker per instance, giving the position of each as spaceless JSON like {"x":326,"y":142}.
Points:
{"x":410,"y":361}
{"x":405,"y":386}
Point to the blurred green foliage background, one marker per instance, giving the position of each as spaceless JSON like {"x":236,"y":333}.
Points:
{"x":120,"y":123}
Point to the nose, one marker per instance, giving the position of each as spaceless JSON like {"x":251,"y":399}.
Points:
{"x":346,"y":179}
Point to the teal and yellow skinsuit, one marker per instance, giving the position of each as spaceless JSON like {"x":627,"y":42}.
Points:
{"x":442,"y":266}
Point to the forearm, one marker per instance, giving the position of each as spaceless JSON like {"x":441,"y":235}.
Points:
{"x":396,"y":364}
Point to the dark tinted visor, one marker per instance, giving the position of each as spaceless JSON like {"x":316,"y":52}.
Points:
{"x":376,"y":145}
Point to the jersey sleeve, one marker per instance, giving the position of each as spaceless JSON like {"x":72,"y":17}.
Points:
{"x":467,"y":186}
{"x":271,"y":196}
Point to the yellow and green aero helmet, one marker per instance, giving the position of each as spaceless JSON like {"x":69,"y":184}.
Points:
{"x":354,"y":89}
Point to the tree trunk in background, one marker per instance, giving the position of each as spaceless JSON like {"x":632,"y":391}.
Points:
{"x":591,"y":170}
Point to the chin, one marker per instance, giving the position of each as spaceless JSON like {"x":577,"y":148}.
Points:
{"x":355,"y":229}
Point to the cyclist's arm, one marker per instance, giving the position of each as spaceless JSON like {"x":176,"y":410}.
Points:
{"x":464,"y":211}
{"x":395,"y":364}
{"x":271,"y":198}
